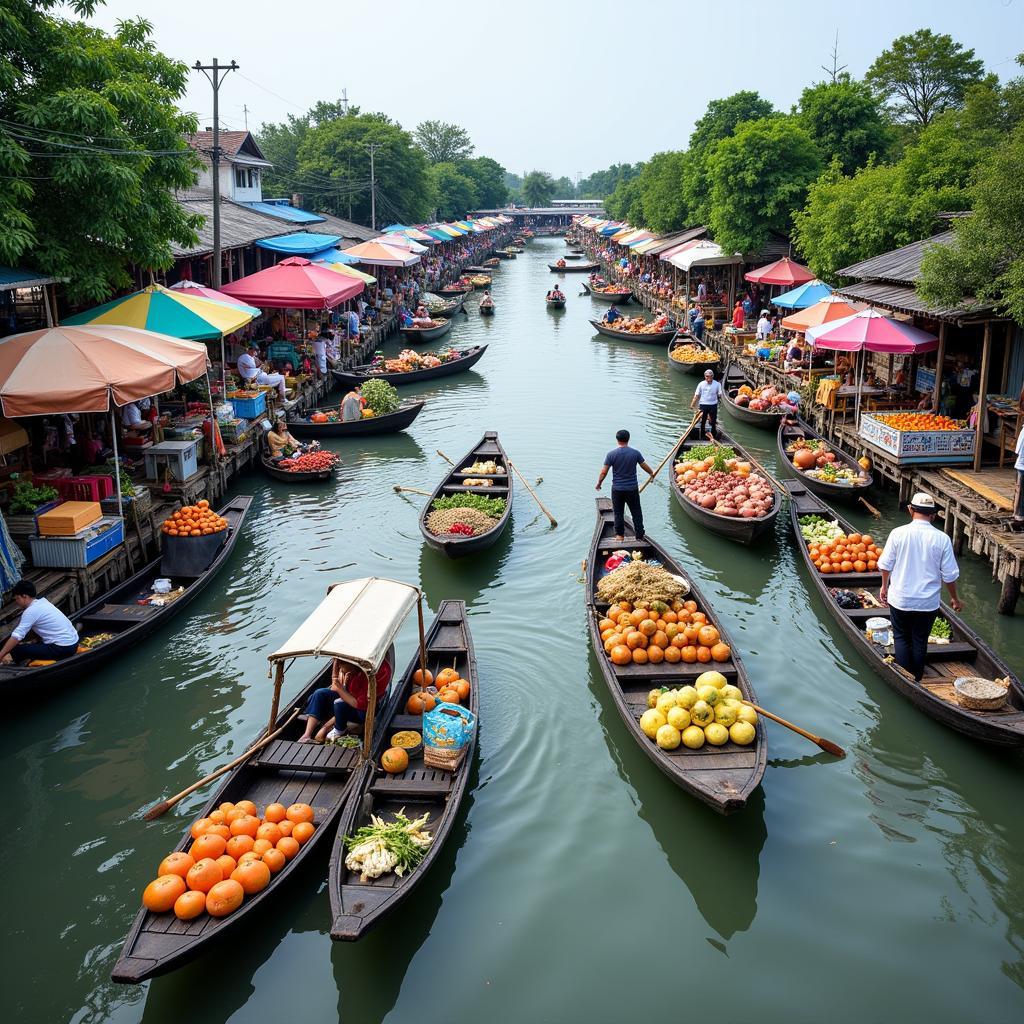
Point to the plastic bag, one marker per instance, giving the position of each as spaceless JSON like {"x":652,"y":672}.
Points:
{"x":447,"y":732}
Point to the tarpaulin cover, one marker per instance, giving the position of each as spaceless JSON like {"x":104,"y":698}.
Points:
{"x":300,"y":242}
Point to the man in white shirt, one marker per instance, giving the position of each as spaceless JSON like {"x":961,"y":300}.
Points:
{"x":1018,"y":494}
{"x":764,"y":326}
{"x":58,"y":637}
{"x":916,"y":561}
{"x":708,"y":392}
{"x":131,"y":417}
{"x":251,"y":372}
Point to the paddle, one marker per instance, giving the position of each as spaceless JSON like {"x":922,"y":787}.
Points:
{"x":672,"y":451}
{"x":165,"y":805}
{"x":551,"y":518}
{"x":871,"y":508}
{"x":445,"y":457}
{"x":827,"y":745}
{"x":411,"y":490}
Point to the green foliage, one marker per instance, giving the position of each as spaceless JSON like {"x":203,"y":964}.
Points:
{"x":722,"y":117}
{"x":494,"y":507}
{"x":488,"y":178}
{"x":280,"y":145}
{"x":660,"y":189}
{"x":455,"y":192}
{"x":28,"y":498}
{"x":844,"y":119}
{"x":538,"y":188}
{"x":626,"y":202}
{"x":91,"y":148}
{"x":381,"y":396}
{"x":564,"y":188}
{"x":923,"y":74}
{"x":759,"y":176}
{"x":443,"y":142}
{"x":601,"y":184}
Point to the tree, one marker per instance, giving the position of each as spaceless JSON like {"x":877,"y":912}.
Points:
{"x":333,"y":169}
{"x":660,"y":187}
{"x":564,"y":188}
{"x":443,"y":142}
{"x":923,"y":74}
{"x":280,"y":143}
{"x":91,"y":148}
{"x":722,"y":117}
{"x":759,"y":176}
{"x":844,"y":119}
{"x":455,"y":192}
{"x":601,"y":184}
{"x":538,"y":188}
{"x":488,"y":178}
{"x":626,"y":202}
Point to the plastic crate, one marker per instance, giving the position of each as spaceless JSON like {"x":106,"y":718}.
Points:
{"x":81,"y":550}
{"x":249,"y":408}
{"x":83,"y":488}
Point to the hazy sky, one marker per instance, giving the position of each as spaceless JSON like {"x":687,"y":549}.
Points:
{"x":564,"y":87}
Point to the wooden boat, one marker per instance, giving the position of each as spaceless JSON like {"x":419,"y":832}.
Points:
{"x":419,"y":335}
{"x":573,"y":268}
{"x":296,"y":476}
{"x":492,"y":264}
{"x":655,"y":338}
{"x":487,"y":310}
{"x":620,"y":295}
{"x":481,"y":281}
{"x":355,"y":905}
{"x":386,"y":424}
{"x":693,"y":369}
{"x":119,"y":612}
{"x":447,"y":308}
{"x":505,"y":254}
{"x":966,"y":655}
{"x":732,"y":381}
{"x":722,"y":777}
{"x":573,"y":256}
{"x":456,"y":546}
{"x":578,"y":252}
{"x":792,"y":429}
{"x":360,"y":374}
{"x":516,"y":250}
{"x":732,"y":527}
{"x":555,"y":303}
{"x":284,"y":770}
{"x":453,"y":291}
{"x":476,"y":269}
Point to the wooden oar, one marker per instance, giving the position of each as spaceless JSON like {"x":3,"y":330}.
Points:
{"x":445,"y":457}
{"x":827,"y":745}
{"x":165,"y":805}
{"x":411,"y":490}
{"x":871,"y":508}
{"x":551,"y":518}
{"x":672,"y":451}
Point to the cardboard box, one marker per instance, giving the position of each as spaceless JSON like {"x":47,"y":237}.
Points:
{"x":69,"y":518}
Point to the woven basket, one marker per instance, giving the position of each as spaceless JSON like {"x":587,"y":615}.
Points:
{"x":980,"y":694}
{"x":443,"y":757}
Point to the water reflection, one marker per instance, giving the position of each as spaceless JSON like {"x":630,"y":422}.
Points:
{"x":442,"y":577}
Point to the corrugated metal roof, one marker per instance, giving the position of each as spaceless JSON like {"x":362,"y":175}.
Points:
{"x":346,"y":228}
{"x":239,"y":225}
{"x":902,"y":264}
{"x":12,"y":278}
{"x":904,"y":299}
{"x":284,"y":211}
{"x":676,"y":239}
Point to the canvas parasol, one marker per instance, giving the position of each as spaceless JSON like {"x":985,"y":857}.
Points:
{"x":825,"y":311}
{"x":786,"y":272}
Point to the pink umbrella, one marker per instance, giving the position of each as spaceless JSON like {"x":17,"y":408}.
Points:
{"x":207,"y":293}
{"x":785,"y":272}
{"x":295,"y":283}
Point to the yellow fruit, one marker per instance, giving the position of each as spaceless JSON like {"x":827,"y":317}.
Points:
{"x":716,"y":734}
{"x":679,"y":718}
{"x":741,"y":733}
{"x":730,"y":692}
{"x":668,"y":737}
{"x":725,"y":714}
{"x":748,"y":715}
{"x":693,"y":737}
{"x":687,"y":697}
{"x":708,"y":694}
{"x":715,"y":679}
{"x":652,"y":698}
{"x":665,"y":702}
{"x":651,"y":721}
{"x":702,"y":714}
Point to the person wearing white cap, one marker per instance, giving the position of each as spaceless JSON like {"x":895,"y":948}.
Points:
{"x":917,"y":560}
{"x":708,"y":393}
{"x":764,"y":326}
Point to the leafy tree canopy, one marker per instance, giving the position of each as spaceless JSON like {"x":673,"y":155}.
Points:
{"x":443,"y":142}
{"x":538,"y":189}
{"x":660,"y":188}
{"x":488,"y":178}
{"x":722,"y":117}
{"x":455,"y":192}
{"x":602,"y":183}
{"x":845,"y":121}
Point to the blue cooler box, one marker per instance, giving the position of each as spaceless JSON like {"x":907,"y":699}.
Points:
{"x":80,"y":550}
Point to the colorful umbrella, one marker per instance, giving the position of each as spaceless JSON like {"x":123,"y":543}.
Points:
{"x":401,"y":242}
{"x":206,"y":293}
{"x":874,"y":331}
{"x":377,"y":254}
{"x":785,"y":272}
{"x":804,"y":295}
{"x":344,"y":268}
{"x":827,"y":310}
{"x":295,"y":283}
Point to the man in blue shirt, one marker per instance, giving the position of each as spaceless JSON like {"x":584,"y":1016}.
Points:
{"x":622,"y":461}
{"x":612,"y":315}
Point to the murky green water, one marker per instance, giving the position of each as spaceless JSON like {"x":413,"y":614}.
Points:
{"x":579,"y":883}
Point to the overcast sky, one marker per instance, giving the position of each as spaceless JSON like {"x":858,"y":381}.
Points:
{"x":565,"y":87}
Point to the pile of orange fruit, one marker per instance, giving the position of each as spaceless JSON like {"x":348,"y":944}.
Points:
{"x":652,"y":632}
{"x":234,"y":853}
{"x":918,"y":421}
{"x":854,"y":553}
{"x":451,"y":688}
{"x":197,"y":520}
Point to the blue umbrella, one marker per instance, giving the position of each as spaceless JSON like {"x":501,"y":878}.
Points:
{"x":804,"y":295}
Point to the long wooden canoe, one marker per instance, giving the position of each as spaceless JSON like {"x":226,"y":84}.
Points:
{"x":118,"y":612}
{"x":296,"y":476}
{"x":361,"y":374}
{"x":555,"y":303}
{"x":386,"y":424}
{"x":966,"y":654}
{"x":733,"y":379}
{"x":285,"y":771}
{"x":793,"y":429}
{"x":693,"y":369}
{"x":455,"y":545}
{"x":722,"y":777}
{"x":453,"y":291}
{"x":744,"y":531}
{"x":616,"y":295}
{"x":356,"y":905}
{"x":653,"y":338}
{"x":418,"y":335}
{"x":574,"y":268}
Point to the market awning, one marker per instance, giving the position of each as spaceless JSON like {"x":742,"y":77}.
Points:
{"x":609,"y":229}
{"x":636,"y":239}
{"x":703,"y":254}
{"x":357,"y":621}
{"x":400,"y":241}
{"x":450,"y":230}
{"x":440,"y":235}
{"x":828,"y":310}
{"x":804,"y":295}
{"x":869,"y":329}
{"x":332,"y":255}
{"x":343,"y":268}
{"x":295,"y":283}
{"x":12,"y":278}
{"x":377,"y":254}
{"x":205,"y":293}
{"x":301,"y":242}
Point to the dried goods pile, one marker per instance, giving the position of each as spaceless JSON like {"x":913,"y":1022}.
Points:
{"x":468,"y":515}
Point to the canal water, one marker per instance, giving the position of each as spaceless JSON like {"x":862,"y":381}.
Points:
{"x":579,"y":883}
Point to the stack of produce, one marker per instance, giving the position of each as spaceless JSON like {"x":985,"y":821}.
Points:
{"x":712,"y":477}
{"x":468,"y":515}
{"x":817,"y":460}
{"x":233,"y":854}
{"x":693,"y":354}
{"x":832,"y":550}
{"x":409,"y":360}
{"x":197,"y":520}
{"x":381,"y":397}
{"x":308,"y":462}
{"x":615,"y":289}
{"x":919,"y":421}
{"x":383,"y":846}
{"x":710,"y":712}
{"x":484,"y":466}
{"x":762,"y":399}
{"x":449,"y":687}
{"x":638,"y":325}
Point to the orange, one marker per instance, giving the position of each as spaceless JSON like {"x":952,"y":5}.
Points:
{"x":199,"y":827}
{"x":248,"y":806}
{"x":175,"y":864}
{"x":189,"y":905}
{"x":462,"y":688}
{"x":262,"y":845}
{"x":299,"y":812}
{"x":246,"y":825}
{"x":224,"y":898}
{"x":237,"y":845}
{"x":303,"y":831}
{"x":640,"y":656}
{"x":252,"y":876}
{"x":234,"y":814}
{"x":274,"y":813}
{"x":227,"y":864}
{"x":655,"y":655}
{"x":703,"y":653}
{"x":250,"y":856}
{"x":203,"y":875}
{"x":286,"y":827}
{"x":289,"y":846}
{"x":689,"y":654}
{"x":672,"y":655}
{"x":217,"y":817}
{"x":275,"y":860}
{"x":207,"y":846}
{"x":417,"y":677}
{"x":160,"y":894}
{"x":268,"y":830}
{"x":226,"y":806}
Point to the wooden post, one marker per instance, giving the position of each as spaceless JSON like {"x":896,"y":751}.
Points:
{"x":275,"y":700}
{"x":940,"y":356}
{"x":371,"y":712}
{"x":423,"y":642}
{"x":1005,"y":378}
{"x":979,"y":427}
{"x":1010,"y":593}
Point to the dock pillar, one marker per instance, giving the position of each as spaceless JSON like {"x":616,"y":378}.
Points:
{"x":1008,"y":596}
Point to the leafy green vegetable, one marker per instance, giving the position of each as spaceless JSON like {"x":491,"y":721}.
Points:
{"x":704,"y":451}
{"x":815,"y":530}
{"x":942,"y":629}
{"x":494,"y":507}
{"x":28,"y":498}
{"x":380,"y":396}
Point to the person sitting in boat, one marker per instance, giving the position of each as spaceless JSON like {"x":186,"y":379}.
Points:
{"x":556,"y":294}
{"x":487,"y":302}
{"x":332,"y":710}
{"x":795,"y":356}
{"x":352,"y":407}
{"x":613,"y":314}
{"x":280,"y":441}
{"x":559,"y":262}
{"x":738,"y":316}
{"x":58,"y":638}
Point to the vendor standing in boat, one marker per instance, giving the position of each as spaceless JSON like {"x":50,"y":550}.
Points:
{"x":58,"y":638}
{"x":917,"y":560}
{"x":487,"y":302}
{"x":707,"y":395}
{"x":622,"y":461}
{"x":556,"y":294}
{"x":331,"y":709}
{"x":738,"y":316}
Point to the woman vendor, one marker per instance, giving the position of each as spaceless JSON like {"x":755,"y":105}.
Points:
{"x":332,"y":709}
{"x":352,"y":407}
{"x":280,"y":441}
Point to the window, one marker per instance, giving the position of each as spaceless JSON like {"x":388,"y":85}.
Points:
{"x":247,"y":177}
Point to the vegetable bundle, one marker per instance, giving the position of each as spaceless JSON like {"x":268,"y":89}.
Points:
{"x":493,"y":507}
{"x":384,"y":846}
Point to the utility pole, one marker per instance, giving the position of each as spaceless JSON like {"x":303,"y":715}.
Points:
{"x":344,"y":101}
{"x":215,"y":74}
{"x":373,"y":147}
{"x":245,"y":114}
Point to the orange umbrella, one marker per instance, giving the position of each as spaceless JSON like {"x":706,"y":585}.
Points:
{"x":832,"y":307}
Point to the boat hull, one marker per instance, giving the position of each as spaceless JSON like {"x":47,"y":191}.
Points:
{"x":397,"y":420}
{"x":353,"y":378}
